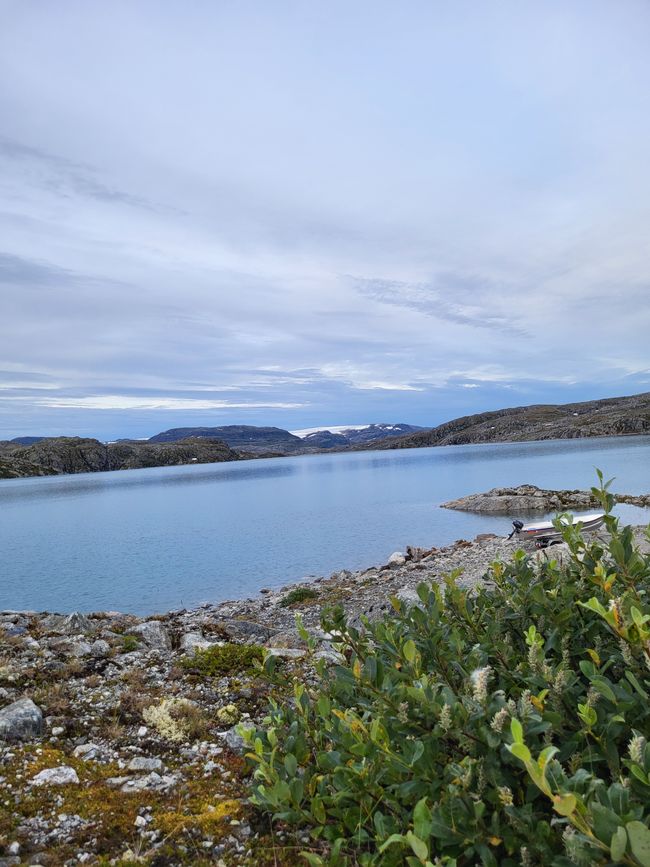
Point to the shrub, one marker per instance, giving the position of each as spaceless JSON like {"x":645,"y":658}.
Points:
{"x":300,"y":594}
{"x":504,"y":726}
{"x":224,"y":659}
{"x":129,"y":643}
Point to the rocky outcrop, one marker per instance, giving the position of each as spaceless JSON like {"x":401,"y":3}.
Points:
{"x":530,"y":498}
{"x":62,"y":455}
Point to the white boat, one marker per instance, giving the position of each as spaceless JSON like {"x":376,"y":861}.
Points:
{"x":543,"y":532}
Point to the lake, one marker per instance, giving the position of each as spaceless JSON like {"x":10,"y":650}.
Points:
{"x":156,"y":539}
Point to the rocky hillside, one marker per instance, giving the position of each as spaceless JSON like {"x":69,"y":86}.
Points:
{"x":56,"y":456}
{"x":254,"y":440}
{"x":616,"y":416}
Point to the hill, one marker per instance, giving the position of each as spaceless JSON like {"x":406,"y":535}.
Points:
{"x":254,"y":440}
{"x":59,"y":455}
{"x":615,"y":416}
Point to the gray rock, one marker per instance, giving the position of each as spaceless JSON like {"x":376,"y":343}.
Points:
{"x":79,"y":649}
{"x":192,"y":641}
{"x":20,"y":721}
{"x":396,"y":559}
{"x":245,"y":630}
{"x":61,"y":776}
{"x":142,"y":763}
{"x":152,"y":782}
{"x":87,"y":752}
{"x":67,"y":624}
{"x":286,"y":652}
{"x":100,"y":648}
{"x":233,"y":739}
{"x":154,"y":634}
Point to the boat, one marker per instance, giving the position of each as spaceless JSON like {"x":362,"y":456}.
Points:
{"x":544,"y":533}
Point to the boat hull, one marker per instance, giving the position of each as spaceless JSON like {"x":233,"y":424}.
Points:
{"x":546,"y":530}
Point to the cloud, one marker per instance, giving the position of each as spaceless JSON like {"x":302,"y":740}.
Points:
{"x":127,"y":402}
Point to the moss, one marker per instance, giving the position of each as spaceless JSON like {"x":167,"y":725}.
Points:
{"x":129,"y":643}
{"x":300,"y":594}
{"x":227,"y":659}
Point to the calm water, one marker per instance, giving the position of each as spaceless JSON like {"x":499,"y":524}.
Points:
{"x":151,"y":540}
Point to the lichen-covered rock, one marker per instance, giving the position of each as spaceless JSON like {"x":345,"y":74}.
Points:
{"x":192,"y":641}
{"x":144,"y":763}
{"x":20,"y":720}
{"x":61,"y":776}
{"x":153,"y":634}
{"x":67,"y":624}
{"x":245,"y":630}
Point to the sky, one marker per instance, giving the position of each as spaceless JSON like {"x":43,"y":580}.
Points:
{"x":319,"y":213}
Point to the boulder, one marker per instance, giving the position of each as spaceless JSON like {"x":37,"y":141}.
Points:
{"x":396,"y":559}
{"x":153,"y":634}
{"x":192,"y":641}
{"x":100,"y":648}
{"x":245,"y":630}
{"x":143,"y":763}
{"x":67,"y":624}
{"x":233,"y":740}
{"x":20,"y":721}
{"x":61,"y":776}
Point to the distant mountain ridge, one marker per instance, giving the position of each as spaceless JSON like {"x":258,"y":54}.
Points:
{"x":37,"y":456}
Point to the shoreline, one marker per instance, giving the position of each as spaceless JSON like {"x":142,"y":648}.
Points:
{"x":117,"y":739}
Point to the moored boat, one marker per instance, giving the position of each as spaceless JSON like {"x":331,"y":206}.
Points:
{"x":543,"y":532}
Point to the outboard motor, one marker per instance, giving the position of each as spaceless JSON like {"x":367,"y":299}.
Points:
{"x":518,"y":525}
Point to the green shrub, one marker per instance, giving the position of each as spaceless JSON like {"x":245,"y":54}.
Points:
{"x":504,"y":726}
{"x":300,"y":594}
{"x":224,"y":659}
{"x":129,"y":643}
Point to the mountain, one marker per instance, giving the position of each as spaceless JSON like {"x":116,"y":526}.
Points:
{"x":253,"y":440}
{"x":341,"y":437}
{"x":58,"y":455}
{"x":615,"y":416}
{"x":27,"y":441}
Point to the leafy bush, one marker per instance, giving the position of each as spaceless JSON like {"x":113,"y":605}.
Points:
{"x":504,"y":726}
{"x":300,"y":594}
{"x":224,"y":659}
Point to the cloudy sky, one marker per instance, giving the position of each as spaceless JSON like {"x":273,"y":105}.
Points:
{"x":306,"y":213}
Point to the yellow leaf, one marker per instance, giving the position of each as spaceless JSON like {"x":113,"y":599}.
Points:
{"x":564,"y":804}
{"x":494,"y":841}
{"x":537,"y":703}
{"x":594,"y":656}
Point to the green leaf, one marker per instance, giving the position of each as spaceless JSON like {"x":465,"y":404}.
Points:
{"x":639,"y":837}
{"x":564,"y":804}
{"x":394,"y":838}
{"x":517,"y":731}
{"x":318,"y":810}
{"x":619,"y":844}
{"x":521,"y":751}
{"x":410,"y":651}
{"x":419,"y":847}
{"x":291,"y":764}
{"x":314,"y":860}
{"x":422,"y":820}
{"x":604,"y":687}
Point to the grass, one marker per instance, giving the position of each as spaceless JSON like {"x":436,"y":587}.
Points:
{"x":295,"y":597}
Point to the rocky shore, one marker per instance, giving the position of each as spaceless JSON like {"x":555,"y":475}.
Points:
{"x":118,"y":735}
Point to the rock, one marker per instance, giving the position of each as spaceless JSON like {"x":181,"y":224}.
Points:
{"x":245,"y":630}
{"x":396,"y":559}
{"x":192,"y":641}
{"x":142,"y":763}
{"x":86,"y":752}
{"x":152,"y":782}
{"x":57,"y":730}
{"x":61,"y":776}
{"x":79,"y":649}
{"x":286,"y":652}
{"x":233,"y":739}
{"x":67,"y":624}
{"x":100,"y":648}
{"x":20,"y":721}
{"x":142,"y":731}
{"x":154,"y":634}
